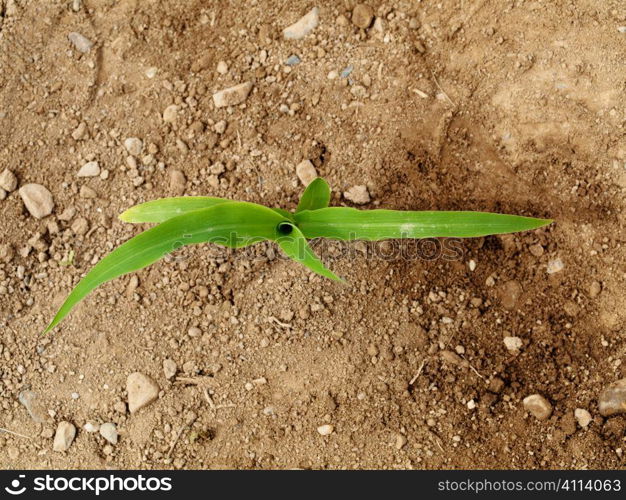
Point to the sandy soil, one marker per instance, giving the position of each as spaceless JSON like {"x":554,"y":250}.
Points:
{"x":512,"y":106}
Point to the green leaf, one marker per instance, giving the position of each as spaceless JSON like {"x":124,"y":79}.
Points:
{"x":347,"y":224}
{"x":233,"y":224}
{"x":166,"y":208}
{"x":315,"y":196}
{"x":296,"y":247}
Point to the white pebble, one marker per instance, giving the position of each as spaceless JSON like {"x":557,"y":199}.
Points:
{"x":358,"y":195}
{"x":303,"y":26}
{"x":109,"y":432}
{"x":305,"y":170}
{"x":81,"y":43}
{"x":89,"y":169}
{"x":38,"y":200}
{"x":222,"y":68}
{"x":555,"y":266}
{"x":134,"y":145}
{"x":232,"y":95}
{"x":91,"y":427}
{"x":170,"y":113}
{"x":583,"y":417}
{"x":64,"y":436}
{"x":538,"y":406}
{"x":8,"y":181}
{"x":472,"y":265}
{"x":142,"y":391}
{"x":513,"y":344}
{"x":325,"y":429}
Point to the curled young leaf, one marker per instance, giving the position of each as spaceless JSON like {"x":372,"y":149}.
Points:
{"x":315,"y":196}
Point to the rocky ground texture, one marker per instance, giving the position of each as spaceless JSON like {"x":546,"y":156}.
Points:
{"x":508,"y":352}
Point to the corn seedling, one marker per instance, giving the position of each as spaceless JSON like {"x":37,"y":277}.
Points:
{"x":236,"y":224}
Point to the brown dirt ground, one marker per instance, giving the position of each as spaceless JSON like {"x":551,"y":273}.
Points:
{"x":523,"y":113}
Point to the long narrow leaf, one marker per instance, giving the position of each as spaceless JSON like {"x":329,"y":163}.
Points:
{"x":232,"y":224}
{"x":166,"y":208}
{"x":315,"y":196}
{"x":296,"y":247}
{"x":343,"y":223}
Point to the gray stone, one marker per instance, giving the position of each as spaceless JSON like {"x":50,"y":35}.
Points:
{"x":612,"y":400}
{"x":80,"y":42}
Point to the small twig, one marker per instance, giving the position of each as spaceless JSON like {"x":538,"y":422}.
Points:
{"x":180,"y":432}
{"x":474,"y":369}
{"x":437,"y":440}
{"x":419,"y":372}
{"x":14,"y":433}
{"x":441,"y":90}
{"x":284,"y":325}
{"x":207,"y":396}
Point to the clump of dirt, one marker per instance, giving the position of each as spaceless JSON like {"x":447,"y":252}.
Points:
{"x":248,"y":360}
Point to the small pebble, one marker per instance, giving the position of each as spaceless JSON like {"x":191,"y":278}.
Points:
{"x":220,"y":127}
{"x":169,"y":368}
{"x":79,"y":132}
{"x":81,"y":43}
{"x":89,"y":169}
{"x":305,"y":170}
{"x":511,"y":292}
{"x":6,"y":255}
{"x":178,"y":182}
{"x":87,"y":193}
{"x":358,"y":195}
{"x":538,"y":406}
{"x":513,"y":344}
{"x":345,"y":73}
{"x":109,"y":432}
{"x":8,"y":181}
{"x":293,"y":60}
{"x":325,"y":429}
{"x":91,"y":427}
{"x":612,"y":400}
{"x":170,"y":113}
{"x":594,"y":289}
{"x":222,"y":68}
{"x":134,"y":145}
{"x":362,"y":16}
{"x":151,"y":72}
{"x":400,"y":441}
{"x":142,"y":390}
{"x":583,"y":417}
{"x":232,"y":95}
{"x":555,"y":266}
{"x":64,"y":436}
{"x":38,"y":200}
{"x":303,"y":26}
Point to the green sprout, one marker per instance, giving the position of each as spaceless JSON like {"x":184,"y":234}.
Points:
{"x":236,"y":224}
